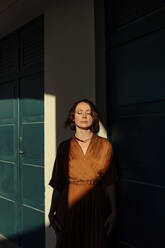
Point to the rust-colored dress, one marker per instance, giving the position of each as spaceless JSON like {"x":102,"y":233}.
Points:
{"x":81,"y":207}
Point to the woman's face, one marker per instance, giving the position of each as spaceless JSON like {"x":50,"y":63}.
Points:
{"x":83,"y":116}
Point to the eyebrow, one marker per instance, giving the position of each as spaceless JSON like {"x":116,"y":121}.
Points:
{"x":82,"y":110}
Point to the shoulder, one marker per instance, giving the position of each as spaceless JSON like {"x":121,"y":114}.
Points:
{"x":64,"y":144}
{"x":104,"y":141}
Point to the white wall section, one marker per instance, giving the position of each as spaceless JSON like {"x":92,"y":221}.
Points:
{"x":69,"y":74}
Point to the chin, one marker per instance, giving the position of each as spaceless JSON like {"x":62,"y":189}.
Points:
{"x":84,"y":126}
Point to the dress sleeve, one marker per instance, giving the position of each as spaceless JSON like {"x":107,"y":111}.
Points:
{"x":57,"y":180}
{"x":111,"y":176}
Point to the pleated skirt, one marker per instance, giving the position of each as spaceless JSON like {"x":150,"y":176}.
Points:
{"x":82,"y":217}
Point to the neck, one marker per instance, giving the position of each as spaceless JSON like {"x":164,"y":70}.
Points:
{"x":83,"y":134}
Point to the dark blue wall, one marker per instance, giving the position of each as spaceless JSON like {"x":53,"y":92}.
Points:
{"x":135,"y":35}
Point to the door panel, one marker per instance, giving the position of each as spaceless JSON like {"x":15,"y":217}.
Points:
{"x":137,"y":139}
{"x":8,"y":158}
{"x":33,"y":186}
{"x":8,"y":121}
{"x":8,"y":217}
{"x":32,"y":44}
{"x":129,"y":11}
{"x":8,"y":182}
{"x":31,"y":93}
{"x":7,"y":142}
{"x":32,"y":145}
{"x":32,"y":157}
{"x":137,"y":214}
{"x":140,"y":74}
{"x":9,"y":55}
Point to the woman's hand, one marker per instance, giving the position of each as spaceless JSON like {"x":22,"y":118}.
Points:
{"x":51,"y":217}
{"x":110,"y":224}
{"x":111,"y":219}
{"x":53,"y":222}
{"x":57,"y":228}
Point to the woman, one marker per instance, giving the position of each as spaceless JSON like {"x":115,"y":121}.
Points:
{"x":83,"y":175}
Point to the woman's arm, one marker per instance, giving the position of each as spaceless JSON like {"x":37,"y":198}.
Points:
{"x":53,"y":206}
{"x":111,"y":196}
{"x":111,"y":219}
{"x":52,"y":213}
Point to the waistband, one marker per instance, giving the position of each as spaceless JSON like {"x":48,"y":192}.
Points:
{"x":74,"y":181}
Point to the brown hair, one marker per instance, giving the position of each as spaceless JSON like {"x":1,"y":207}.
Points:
{"x":70,"y":119}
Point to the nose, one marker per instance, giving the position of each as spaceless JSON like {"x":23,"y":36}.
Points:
{"x":84,"y":115}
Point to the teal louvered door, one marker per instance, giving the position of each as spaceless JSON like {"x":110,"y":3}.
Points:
{"x":22,"y":136}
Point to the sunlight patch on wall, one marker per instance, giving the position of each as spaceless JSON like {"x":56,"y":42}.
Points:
{"x":103,"y":131}
{"x":50,"y":146}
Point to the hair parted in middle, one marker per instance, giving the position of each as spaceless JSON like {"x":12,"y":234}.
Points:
{"x":94,"y":113}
